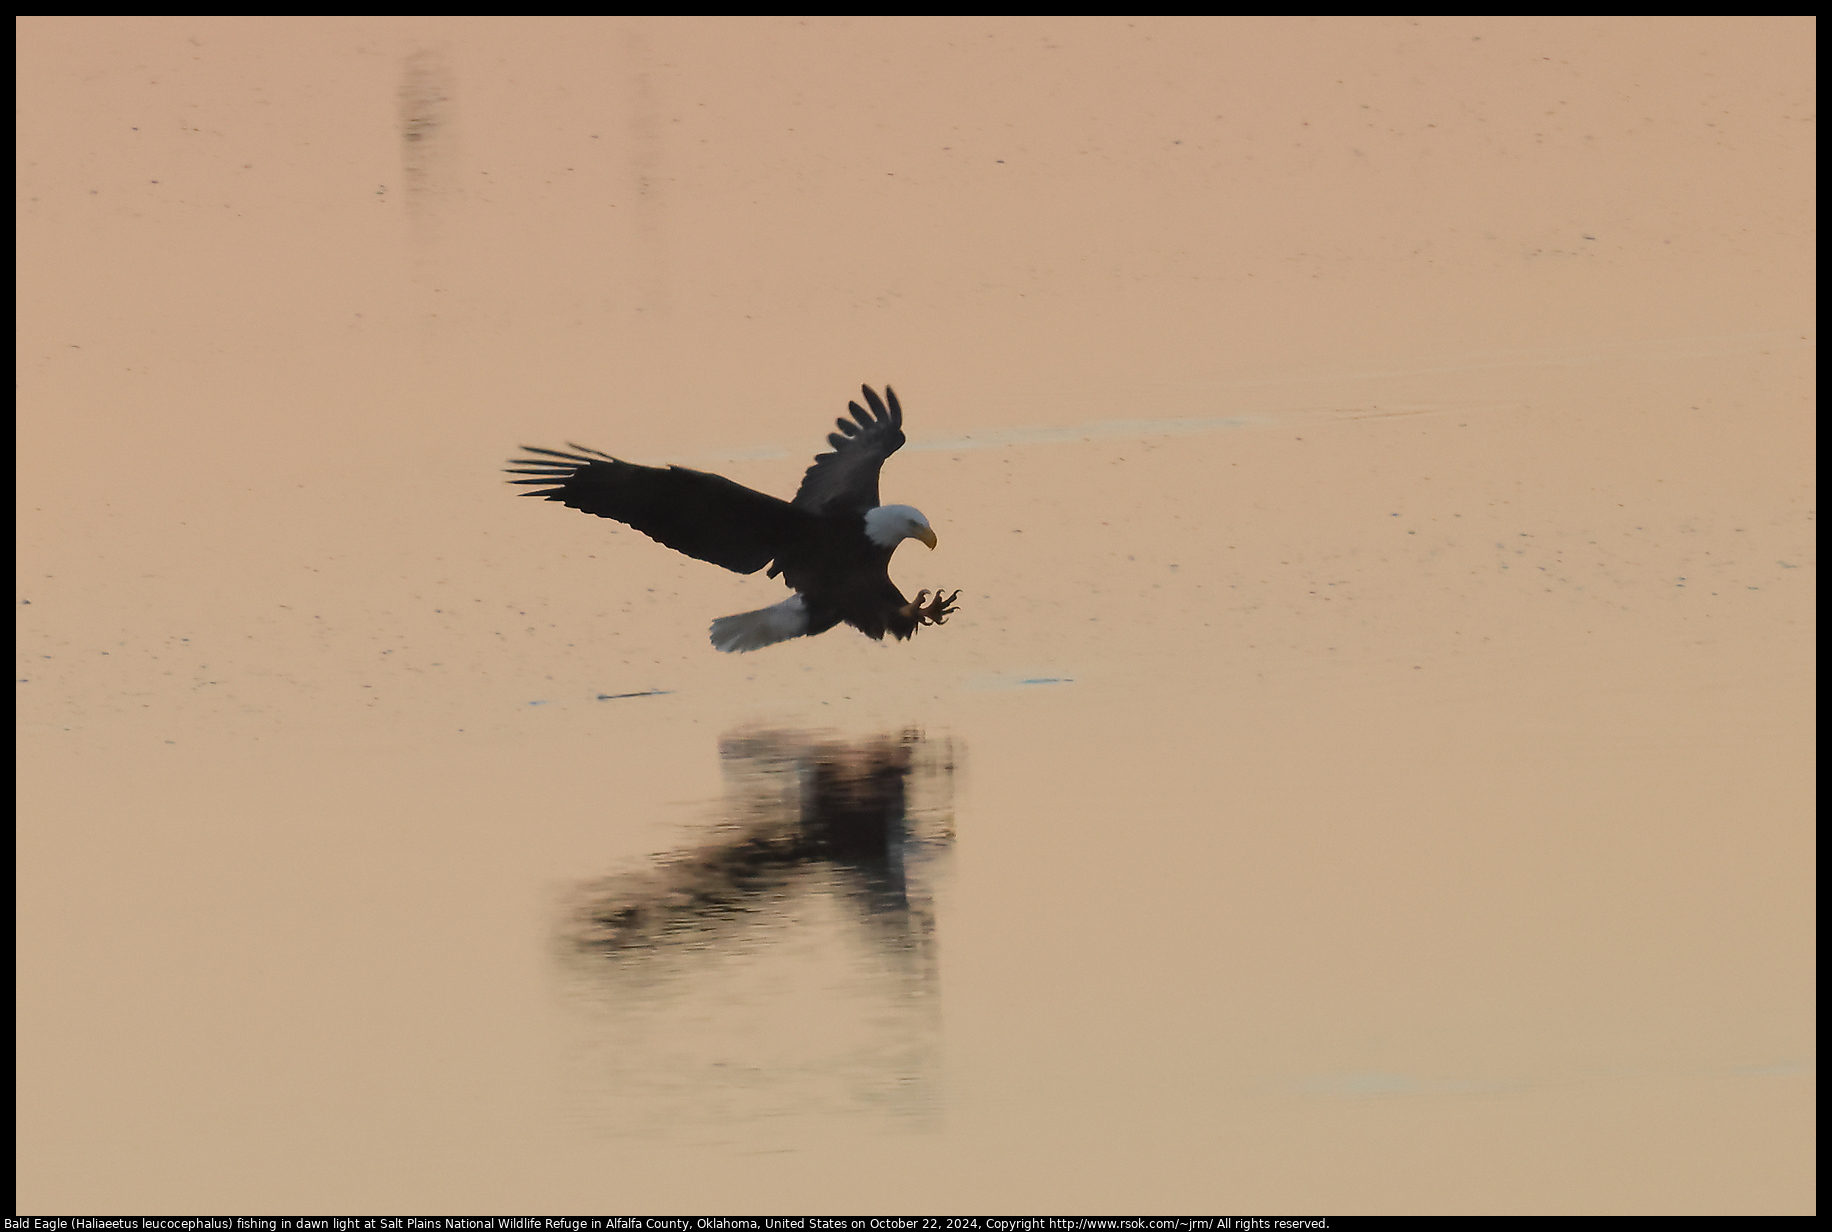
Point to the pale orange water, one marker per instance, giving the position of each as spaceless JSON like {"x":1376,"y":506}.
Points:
{"x":1371,"y":770}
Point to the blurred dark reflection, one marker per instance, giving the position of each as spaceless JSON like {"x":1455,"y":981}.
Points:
{"x":802,"y":812}
{"x":787,"y":962}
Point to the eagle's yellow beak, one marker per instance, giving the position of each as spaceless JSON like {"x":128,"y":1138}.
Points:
{"x":927,"y":536}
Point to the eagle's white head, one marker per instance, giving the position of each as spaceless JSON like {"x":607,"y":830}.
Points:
{"x":889,"y":525}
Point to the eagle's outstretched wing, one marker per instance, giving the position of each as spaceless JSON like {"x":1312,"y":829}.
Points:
{"x":847,"y":478}
{"x":708,"y":517}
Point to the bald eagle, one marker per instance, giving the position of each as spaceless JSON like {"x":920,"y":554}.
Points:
{"x":832,"y":544}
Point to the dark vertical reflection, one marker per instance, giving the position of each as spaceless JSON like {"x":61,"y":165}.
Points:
{"x":787,"y":963}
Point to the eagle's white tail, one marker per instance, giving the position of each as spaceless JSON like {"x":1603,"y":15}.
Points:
{"x":764,"y":627}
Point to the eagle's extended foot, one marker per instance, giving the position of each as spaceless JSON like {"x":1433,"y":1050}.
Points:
{"x":935,"y":612}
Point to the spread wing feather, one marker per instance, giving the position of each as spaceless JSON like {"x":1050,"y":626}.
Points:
{"x":708,"y":517}
{"x":847,"y":478}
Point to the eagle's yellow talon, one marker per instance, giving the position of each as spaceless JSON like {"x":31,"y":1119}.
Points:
{"x":937,"y":612}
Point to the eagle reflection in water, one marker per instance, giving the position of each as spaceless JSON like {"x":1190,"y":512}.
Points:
{"x":809,"y":912}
